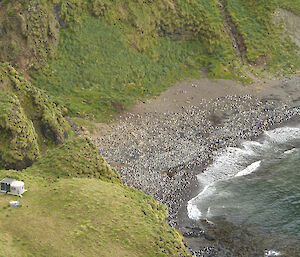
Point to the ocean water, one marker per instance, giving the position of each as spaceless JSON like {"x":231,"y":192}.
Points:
{"x":257,"y":183}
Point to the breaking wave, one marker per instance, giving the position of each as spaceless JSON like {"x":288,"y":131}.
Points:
{"x":235,"y":162}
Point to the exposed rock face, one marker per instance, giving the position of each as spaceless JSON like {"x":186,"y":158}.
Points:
{"x":28,"y":120}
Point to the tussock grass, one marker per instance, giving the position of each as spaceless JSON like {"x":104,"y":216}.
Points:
{"x":266,"y":44}
{"x":133,"y":50}
{"x":97,"y":73}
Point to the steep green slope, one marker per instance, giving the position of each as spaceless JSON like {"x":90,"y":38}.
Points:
{"x":65,"y":213}
{"x":112,"y":53}
{"x":97,"y":72}
{"x":76,"y":158}
{"x":29,"y":32}
{"x":264,"y":43}
{"x":19,"y":145}
{"x":133,"y":50}
{"x":29,"y":121}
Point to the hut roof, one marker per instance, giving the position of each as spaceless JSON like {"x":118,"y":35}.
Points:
{"x":8,"y":180}
{"x":17,"y":184}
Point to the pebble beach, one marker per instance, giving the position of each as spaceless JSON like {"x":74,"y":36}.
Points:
{"x":162,"y":144}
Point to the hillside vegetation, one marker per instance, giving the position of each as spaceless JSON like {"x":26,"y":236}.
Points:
{"x":132,"y":51}
{"x":79,"y":208}
{"x":29,"y":121}
{"x":110,"y":54}
{"x":264,"y":43}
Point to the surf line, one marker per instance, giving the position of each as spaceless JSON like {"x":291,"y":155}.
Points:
{"x":193,"y":211}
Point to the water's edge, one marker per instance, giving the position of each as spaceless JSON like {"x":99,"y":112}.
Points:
{"x":204,"y":233}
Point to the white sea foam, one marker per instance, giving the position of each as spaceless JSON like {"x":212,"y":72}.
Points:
{"x":193,"y":212}
{"x":251,"y":168}
{"x":290,"y":151}
{"x":236,"y":162}
{"x":271,"y":253}
{"x":282,"y":135}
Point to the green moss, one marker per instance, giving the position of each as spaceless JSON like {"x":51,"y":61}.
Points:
{"x":19,"y":147}
{"x":72,"y":10}
{"x":29,"y":32}
{"x":39,"y":107}
{"x":75,"y":158}
{"x":29,"y":120}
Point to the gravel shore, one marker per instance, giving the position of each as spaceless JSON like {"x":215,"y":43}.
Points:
{"x":160,"y":149}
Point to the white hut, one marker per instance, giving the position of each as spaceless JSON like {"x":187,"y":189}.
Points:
{"x":12,"y":186}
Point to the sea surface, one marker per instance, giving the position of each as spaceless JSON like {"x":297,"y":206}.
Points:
{"x":256,"y":184}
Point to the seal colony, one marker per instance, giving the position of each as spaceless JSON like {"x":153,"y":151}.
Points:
{"x":160,"y":147}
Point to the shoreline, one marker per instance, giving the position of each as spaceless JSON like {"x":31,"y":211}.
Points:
{"x":162,"y":144}
{"x":205,"y":237}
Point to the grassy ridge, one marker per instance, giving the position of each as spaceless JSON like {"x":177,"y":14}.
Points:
{"x":65,"y":213}
{"x":85,"y":217}
{"x":75,"y":158}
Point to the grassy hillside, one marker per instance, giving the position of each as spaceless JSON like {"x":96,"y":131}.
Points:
{"x":116,"y":52}
{"x":265,"y":44}
{"x":68,"y":214}
{"x":110,"y":54}
{"x":96,"y":72}
{"x":133,"y":51}
{"x":76,"y":158}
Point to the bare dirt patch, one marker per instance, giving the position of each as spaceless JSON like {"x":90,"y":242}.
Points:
{"x":291,"y":22}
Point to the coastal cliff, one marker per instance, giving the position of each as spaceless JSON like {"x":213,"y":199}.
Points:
{"x":89,"y":120}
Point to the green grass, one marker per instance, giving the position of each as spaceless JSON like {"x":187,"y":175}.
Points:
{"x":68,"y":214}
{"x":265,"y":43}
{"x":292,"y":5}
{"x":85,"y":217}
{"x":75,"y":158}
{"x":107,"y":64}
{"x":96,"y":73}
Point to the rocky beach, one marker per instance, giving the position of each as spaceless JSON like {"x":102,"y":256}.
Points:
{"x":160,"y":145}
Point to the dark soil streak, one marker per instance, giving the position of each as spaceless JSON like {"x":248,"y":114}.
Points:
{"x":232,"y":31}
